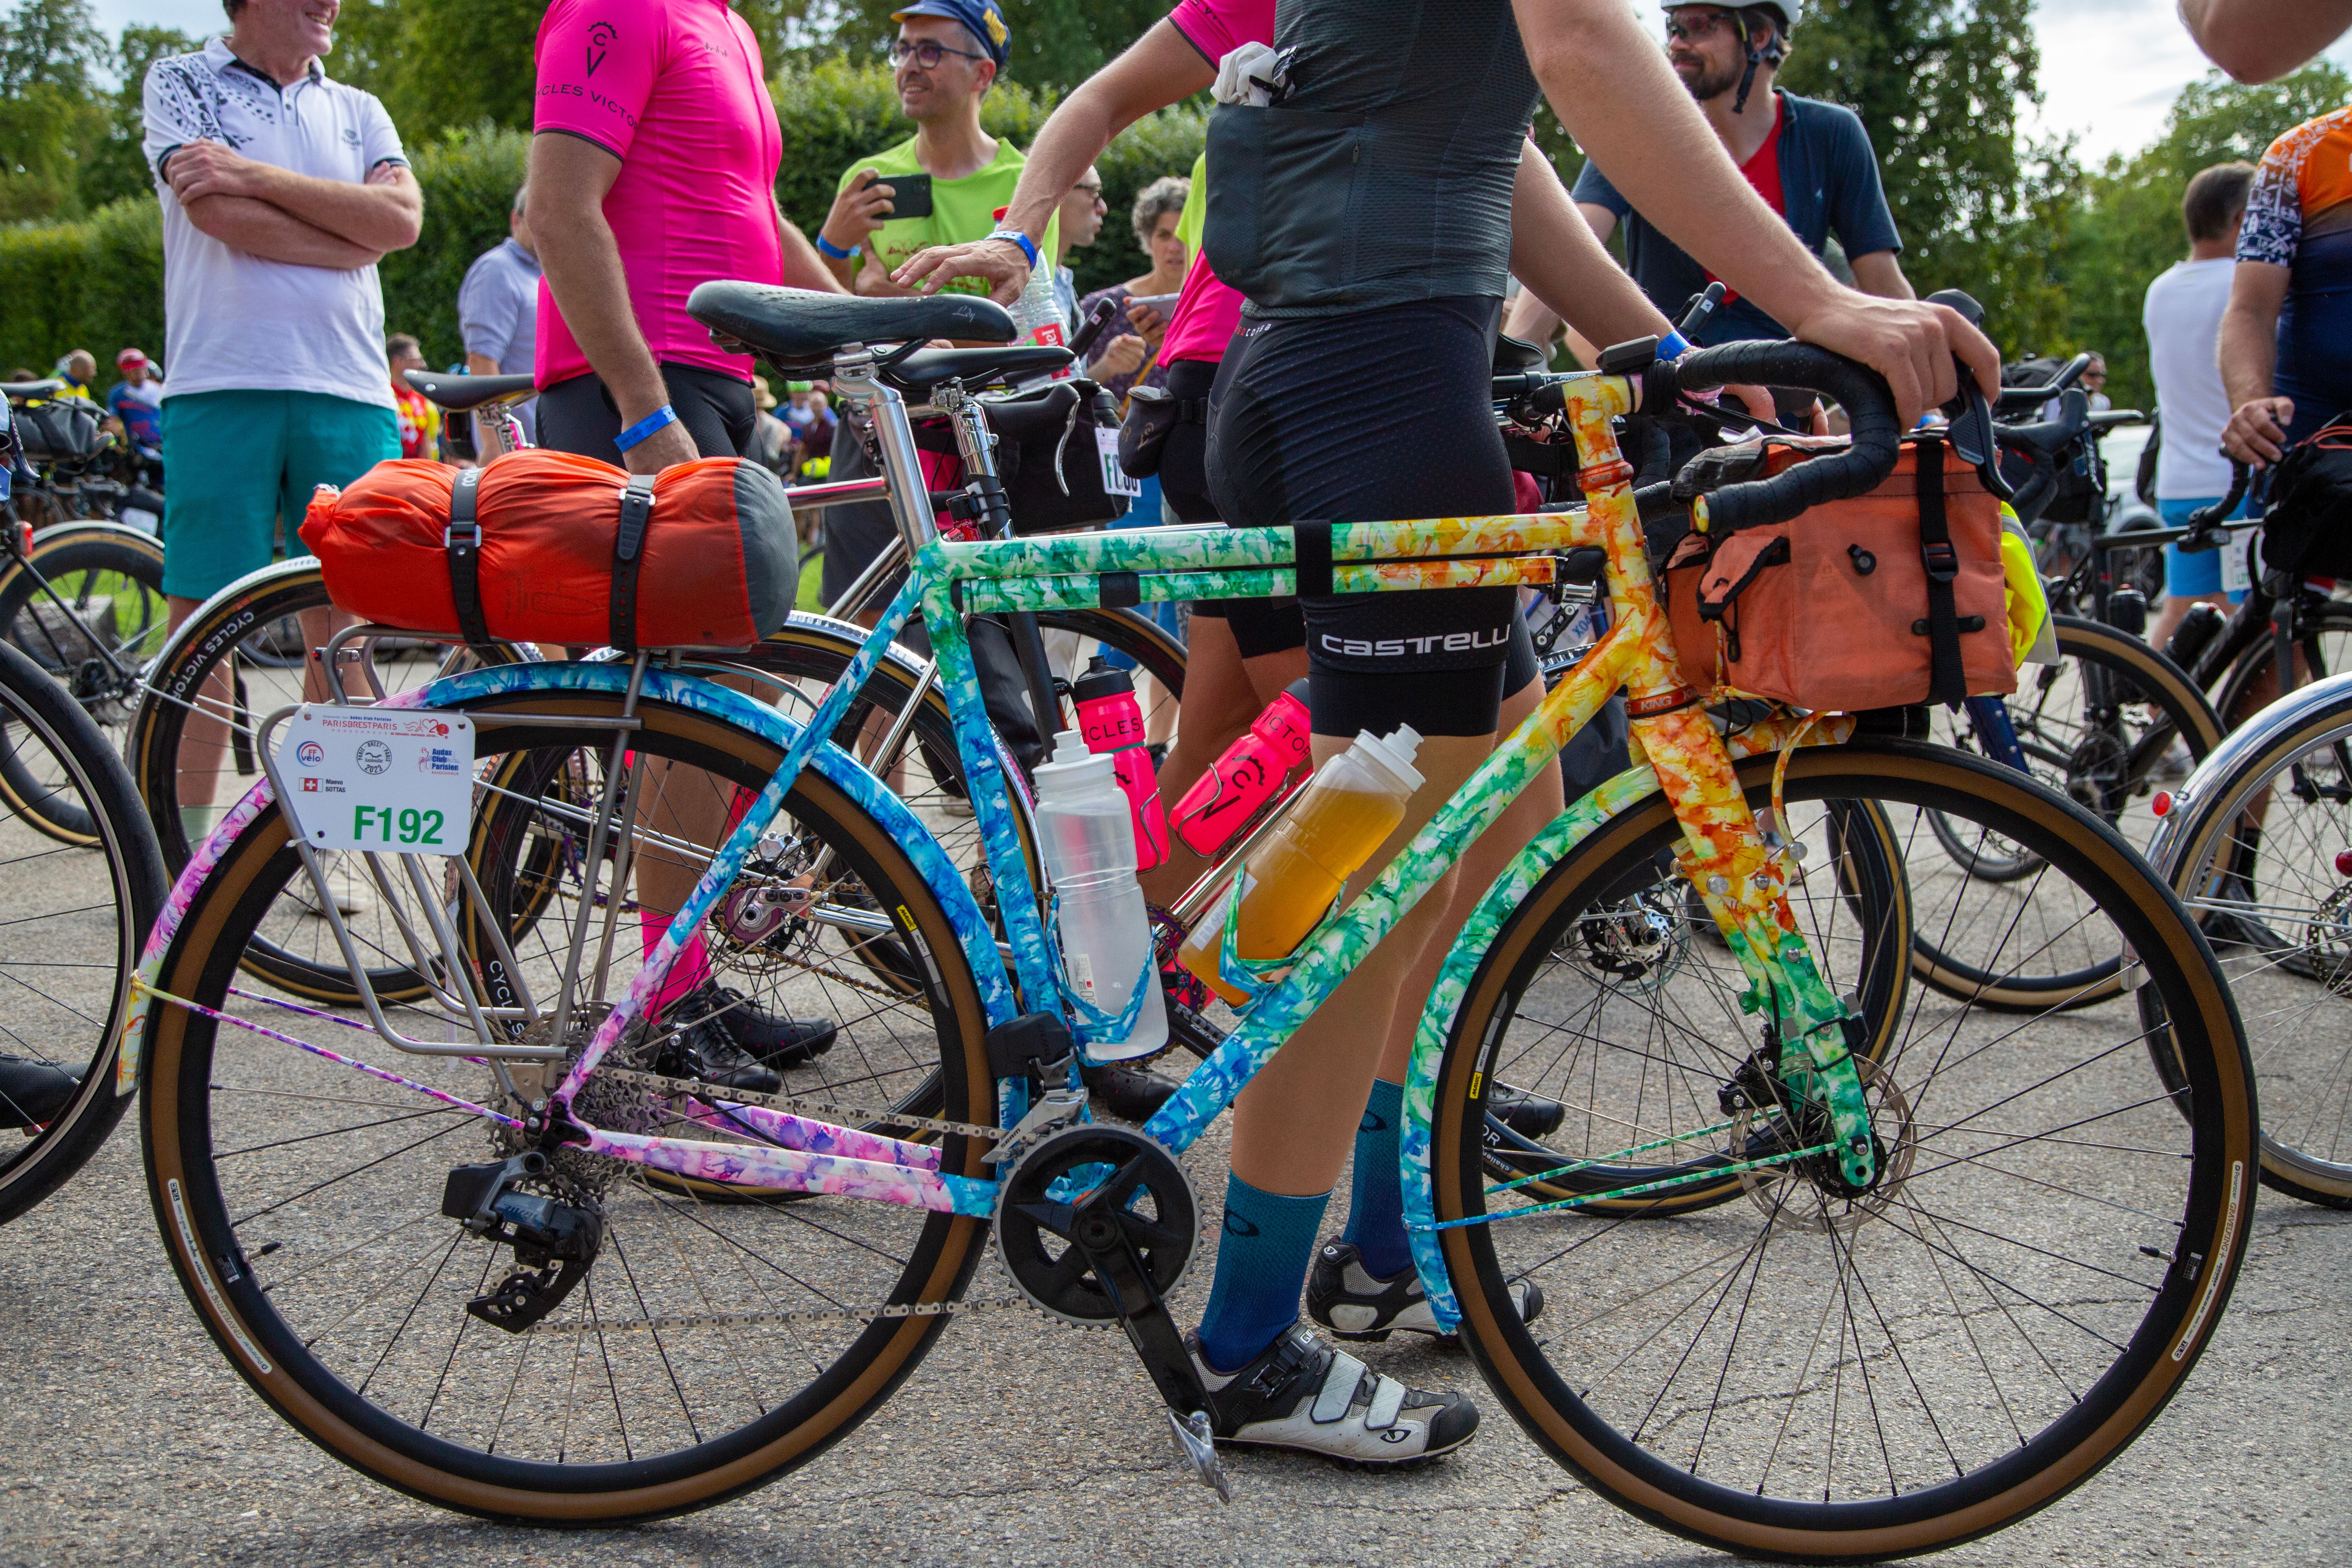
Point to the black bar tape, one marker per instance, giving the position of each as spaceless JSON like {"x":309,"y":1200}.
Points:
{"x":1869,"y":407}
{"x":628,"y":557}
{"x":463,"y":541}
{"x":1312,"y":550}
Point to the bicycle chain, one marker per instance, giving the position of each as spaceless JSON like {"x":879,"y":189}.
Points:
{"x":797,"y":1103}
{"x":789,"y":1319}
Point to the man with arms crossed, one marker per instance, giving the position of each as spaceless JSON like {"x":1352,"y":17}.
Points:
{"x":280,"y":190}
{"x":653,"y":169}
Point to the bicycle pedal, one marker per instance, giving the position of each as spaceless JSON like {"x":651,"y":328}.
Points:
{"x":1194,"y":1441}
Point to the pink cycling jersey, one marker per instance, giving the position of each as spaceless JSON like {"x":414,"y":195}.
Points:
{"x":1208,"y":312}
{"x":674,"y":88}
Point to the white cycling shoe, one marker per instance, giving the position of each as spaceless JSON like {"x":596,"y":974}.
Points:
{"x":1354,"y":1303}
{"x":1305,"y":1396}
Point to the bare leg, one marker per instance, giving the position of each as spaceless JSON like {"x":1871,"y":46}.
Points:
{"x":1295,"y":1122}
{"x":2176,"y":610}
{"x":1224,"y":693}
{"x":1539,"y":803}
{"x":204,"y":737}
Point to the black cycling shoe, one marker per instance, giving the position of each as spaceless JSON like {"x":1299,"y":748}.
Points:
{"x":1127,"y":1093}
{"x":1524,"y":1111}
{"x":780,"y":1043}
{"x":1354,"y":1303}
{"x":34,"y":1094}
{"x":703,"y":1050}
{"x":1303,"y":1394}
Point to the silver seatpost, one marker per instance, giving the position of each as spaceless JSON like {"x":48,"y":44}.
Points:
{"x":911,"y":498}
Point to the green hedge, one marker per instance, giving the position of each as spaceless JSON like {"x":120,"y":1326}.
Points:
{"x":99,"y":283}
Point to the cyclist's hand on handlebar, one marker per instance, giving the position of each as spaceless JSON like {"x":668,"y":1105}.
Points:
{"x":999,"y":263}
{"x":2256,"y":432}
{"x":1912,"y":343}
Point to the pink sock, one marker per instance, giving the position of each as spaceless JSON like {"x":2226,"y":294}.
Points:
{"x":693,"y":966}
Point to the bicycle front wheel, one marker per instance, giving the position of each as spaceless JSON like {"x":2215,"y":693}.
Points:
{"x":707,"y":1347}
{"x":76,"y":918}
{"x":1825,"y":1375}
{"x":2104,"y":726}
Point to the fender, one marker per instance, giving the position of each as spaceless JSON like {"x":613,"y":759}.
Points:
{"x":836,"y":766}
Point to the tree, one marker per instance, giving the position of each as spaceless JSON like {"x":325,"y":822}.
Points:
{"x":2129,"y":228}
{"x":117,"y":164}
{"x":53,"y":60}
{"x":1940,"y":85}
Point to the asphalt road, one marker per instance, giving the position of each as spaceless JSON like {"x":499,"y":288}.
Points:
{"x":125,"y":1438}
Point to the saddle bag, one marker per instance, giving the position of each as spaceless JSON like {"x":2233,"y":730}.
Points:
{"x":58,"y":431}
{"x":1056,"y":455}
{"x":1887,"y":599}
{"x":1152,"y":415}
{"x":550,"y":547}
{"x":2307,"y":526}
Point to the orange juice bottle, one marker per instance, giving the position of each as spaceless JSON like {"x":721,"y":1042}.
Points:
{"x":1347,"y":811}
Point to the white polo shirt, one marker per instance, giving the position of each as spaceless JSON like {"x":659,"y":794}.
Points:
{"x":233,"y":322}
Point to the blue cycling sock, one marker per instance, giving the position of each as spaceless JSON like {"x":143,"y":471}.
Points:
{"x":1376,"y":1201}
{"x":1261,"y":1266}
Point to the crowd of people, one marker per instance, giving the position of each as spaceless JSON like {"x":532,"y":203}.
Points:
{"x":1300,"y":324}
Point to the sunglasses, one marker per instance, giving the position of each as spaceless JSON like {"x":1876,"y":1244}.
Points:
{"x":926,"y":55}
{"x":1701,"y":25}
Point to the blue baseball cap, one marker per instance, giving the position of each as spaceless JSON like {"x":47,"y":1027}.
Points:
{"x":983,"y":20}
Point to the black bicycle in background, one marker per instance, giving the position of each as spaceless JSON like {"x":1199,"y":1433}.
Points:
{"x":77,"y":911}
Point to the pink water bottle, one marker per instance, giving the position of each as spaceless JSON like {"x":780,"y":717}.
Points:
{"x":1261,"y":768}
{"x":1112,"y":720}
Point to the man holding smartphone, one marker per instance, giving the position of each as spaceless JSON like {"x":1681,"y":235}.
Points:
{"x":943,"y":184}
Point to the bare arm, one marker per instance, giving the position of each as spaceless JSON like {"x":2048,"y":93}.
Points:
{"x":384,"y":214}
{"x":1603,"y":221}
{"x":1554,"y":252}
{"x":1881,"y":273}
{"x":481,"y":365}
{"x":2257,"y":40}
{"x":2248,"y":357}
{"x":270,"y":232}
{"x":1611,"y":88}
{"x":569,"y":177}
{"x":1160,"y":69}
{"x":803,"y":266}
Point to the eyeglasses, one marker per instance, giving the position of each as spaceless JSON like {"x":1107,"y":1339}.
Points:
{"x":927,"y":54}
{"x":1093,"y":191}
{"x":1702,"y":24}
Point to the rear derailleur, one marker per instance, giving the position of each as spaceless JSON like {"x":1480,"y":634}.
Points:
{"x":554,"y":1242}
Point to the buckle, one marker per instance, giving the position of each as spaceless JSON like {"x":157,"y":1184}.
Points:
{"x":471,"y":540}
{"x":1943,"y":562}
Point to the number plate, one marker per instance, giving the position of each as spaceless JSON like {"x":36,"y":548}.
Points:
{"x":372,"y":778}
{"x":1116,"y":479}
{"x":2235,"y":577}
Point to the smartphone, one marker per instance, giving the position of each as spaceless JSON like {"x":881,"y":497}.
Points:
{"x":910,"y":195}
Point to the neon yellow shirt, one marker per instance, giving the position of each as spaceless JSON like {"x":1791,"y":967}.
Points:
{"x":962,"y":210}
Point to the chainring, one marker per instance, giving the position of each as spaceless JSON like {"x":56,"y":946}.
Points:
{"x":1156,"y":1209}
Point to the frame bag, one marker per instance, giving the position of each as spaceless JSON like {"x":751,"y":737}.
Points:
{"x":1885,"y":600}
{"x":2307,"y":526}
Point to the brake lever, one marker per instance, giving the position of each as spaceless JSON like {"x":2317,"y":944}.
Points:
{"x":1970,"y":411}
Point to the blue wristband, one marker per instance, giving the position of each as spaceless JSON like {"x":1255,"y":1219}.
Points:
{"x":657,"y":419}
{"x":1028,"y":246}
{"x":826,"y":248}
{"x":1673,"y":345}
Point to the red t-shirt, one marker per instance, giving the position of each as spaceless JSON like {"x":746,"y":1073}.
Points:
{"x":1762,"y":171}
{"x":675,"y":89}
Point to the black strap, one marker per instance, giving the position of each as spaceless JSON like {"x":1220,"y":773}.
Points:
{"x":462,"y":540}
{"x":1311,"y":548}
{"x":1946,"y":679}
{"x":1122,"y":590}
{"x":629,"y":555}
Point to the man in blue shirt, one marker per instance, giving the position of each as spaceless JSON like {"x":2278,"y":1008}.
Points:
{"x":1812,"y":162}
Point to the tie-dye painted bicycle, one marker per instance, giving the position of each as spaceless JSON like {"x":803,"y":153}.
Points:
{"x":1840,"y":1266}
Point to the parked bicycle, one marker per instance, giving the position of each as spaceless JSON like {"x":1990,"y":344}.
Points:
{"x":530,"y":1296}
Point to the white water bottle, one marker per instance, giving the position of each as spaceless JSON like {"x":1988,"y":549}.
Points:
{"x":1086,"y":827}
{"x":1038,"y":315}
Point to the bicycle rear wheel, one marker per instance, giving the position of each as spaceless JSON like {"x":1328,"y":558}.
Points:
{"x":1821,"y":1376}
{"x":76,"y":918}
{"x":302,"y":1202}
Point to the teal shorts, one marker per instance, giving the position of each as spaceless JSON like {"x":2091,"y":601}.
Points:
{"x":234,"y":463}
